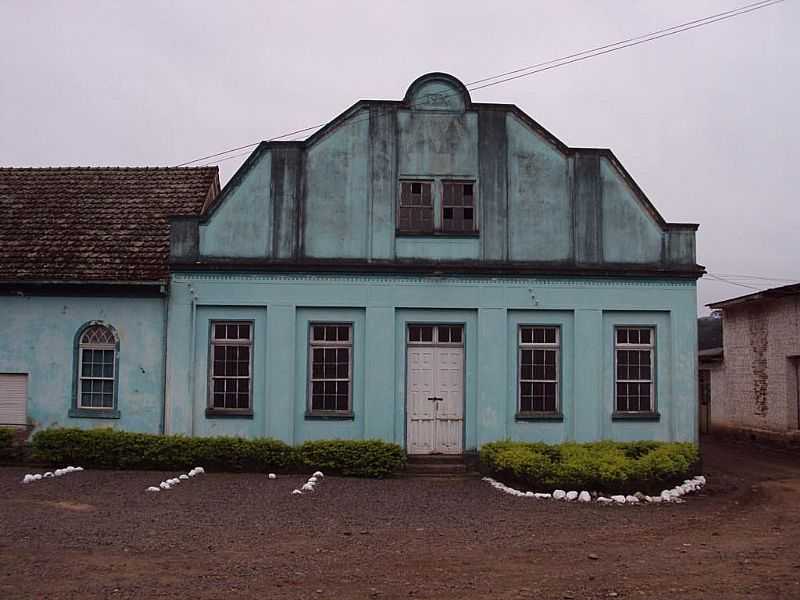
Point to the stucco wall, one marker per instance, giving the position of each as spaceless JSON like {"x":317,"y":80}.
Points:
{"x":759,"y":375}
{"x":37,"y":338}
{"x":335,"y":196}
{"x":380,"y":308}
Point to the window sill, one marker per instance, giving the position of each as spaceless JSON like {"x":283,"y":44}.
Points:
{"x":438,"y":234}
{"x":555,"y":417}
{"x":88,"y":413}
{"x":640,"y":416}
{"x":330,"y":416}
{"x":222,"y":413}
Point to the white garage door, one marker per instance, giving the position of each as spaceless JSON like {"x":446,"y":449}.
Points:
{"x":13,"y":399}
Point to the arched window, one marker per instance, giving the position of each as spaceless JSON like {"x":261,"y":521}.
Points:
{"x":96,"y":371}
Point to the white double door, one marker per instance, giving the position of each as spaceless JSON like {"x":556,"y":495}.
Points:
{"x":435,"y":400}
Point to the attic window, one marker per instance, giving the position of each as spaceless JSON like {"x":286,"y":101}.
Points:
{"x":458,"y":207}
{"x":415,"y":213}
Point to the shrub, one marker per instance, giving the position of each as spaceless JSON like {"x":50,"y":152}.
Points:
{"x":612,"y":467}
{"x":113,"y":449}
{"x":6,"y":439}
{"x":356,"y":458}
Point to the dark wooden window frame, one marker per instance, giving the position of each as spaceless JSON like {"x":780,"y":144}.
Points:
{"x":214,"y":342}
{"x":416,"y":210}
{"x":313,"y":344}
{"x":450,"y":222}
{"x":555,"y":347}
{"x":650,"y":412}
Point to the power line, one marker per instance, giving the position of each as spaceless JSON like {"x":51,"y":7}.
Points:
{"x":755,"y":277}
{"x":552,"y":64}
{"x":638,"y":37}
{"x":749,"y":287}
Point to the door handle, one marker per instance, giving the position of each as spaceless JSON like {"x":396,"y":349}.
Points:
{"x":435,"y":399}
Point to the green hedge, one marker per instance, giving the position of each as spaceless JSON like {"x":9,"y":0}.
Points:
{"x":6,"y":439}
{"x":611,"y":467}
{"x":112,"y":449}
{"x":360,"y":458}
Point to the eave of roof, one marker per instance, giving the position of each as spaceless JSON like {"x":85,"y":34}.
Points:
{"x":792,"y":289}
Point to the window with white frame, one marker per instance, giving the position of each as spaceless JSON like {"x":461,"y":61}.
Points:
{"x":330,"y":368}
{"x":230,"y":367}
{"x":634,"y":358}
{"x":539,"y":360}
{"x":97,"y":368}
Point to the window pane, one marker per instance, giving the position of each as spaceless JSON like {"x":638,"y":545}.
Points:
{"x":427,"y":334}
{"x":455,"y":335}
{"x":444,"y":335}
{"x":414,"y":334}
{"x":527,"y":335}
{"x":622,"y":336}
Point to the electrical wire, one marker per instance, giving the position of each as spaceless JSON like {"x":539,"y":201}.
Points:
{"x":548,"y":65}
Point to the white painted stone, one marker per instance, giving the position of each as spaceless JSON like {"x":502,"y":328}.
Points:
{"x":572,"y":495}
{"x":312,"y":479}
{"x":28,"y":478}
{"x":79,"y":468}
{"x":666,"y":496}
{"x":584,"y":497}
{"x":152,"y":488}
{"x":37,"y":476}
{"x":318,"y":474}
{"x":48,"y":475}
{"x":619,"y":499}
{"x":655,"y":499}
{"x":604,"y":500}
{"x":199,"y":470}
{"x":543,"y":496}
{"x":308,"y":487}
{"x":631,"y":499}
{"x":559,"y":495}
{"x":164,"y":485}
{"x":58,"y":472}
{"x":296,"y":492}
{"x":183,"y":477}
{"x":701,"y":479}
{"x":530,"y":495}
{"x":272,"y":476}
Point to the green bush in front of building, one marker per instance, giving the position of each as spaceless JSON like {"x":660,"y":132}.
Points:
{"x":113,"y":449}
{"x":606,"y":466}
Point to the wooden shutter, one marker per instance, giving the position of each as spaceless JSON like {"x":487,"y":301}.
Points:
{"x":13,"y":399}
{"x":415,"y":213}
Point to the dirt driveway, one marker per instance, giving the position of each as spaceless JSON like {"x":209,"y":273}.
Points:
{"x":97,"y":534}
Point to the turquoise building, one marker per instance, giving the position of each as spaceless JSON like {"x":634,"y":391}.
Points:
{"x":430,"y":271}
{"x":434,"y":272}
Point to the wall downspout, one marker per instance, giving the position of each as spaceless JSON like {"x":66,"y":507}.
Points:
{"x":162,"y":425}
{"x":192,"y":342}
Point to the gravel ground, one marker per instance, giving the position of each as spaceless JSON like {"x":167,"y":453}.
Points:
{"x":97,"y":534}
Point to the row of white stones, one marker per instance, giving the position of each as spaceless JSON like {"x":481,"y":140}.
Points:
{"x":31,"y":477}
{"x":672,"y":495}
{"x":168,"y":484}
{"x":309,"y":485}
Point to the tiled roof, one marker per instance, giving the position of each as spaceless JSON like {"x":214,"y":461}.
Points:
{"x":94,"y":224}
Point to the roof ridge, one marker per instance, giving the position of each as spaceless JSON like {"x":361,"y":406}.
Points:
{"x":111,"y":168}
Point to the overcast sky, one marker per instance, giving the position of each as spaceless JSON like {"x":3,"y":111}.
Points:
{"x":707,"y":121}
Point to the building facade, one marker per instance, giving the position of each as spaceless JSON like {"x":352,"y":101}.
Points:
{"x":434,"y":272}
{"x":754,"y":386}
{"x":83,"y":284}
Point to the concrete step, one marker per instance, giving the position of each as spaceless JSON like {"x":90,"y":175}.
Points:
{"x":431,"y":459}
{"x":436,"y":468}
